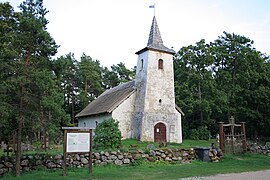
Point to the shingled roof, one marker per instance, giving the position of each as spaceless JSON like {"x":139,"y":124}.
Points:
{"x":109,"y":100}
{"x":155,"y":41}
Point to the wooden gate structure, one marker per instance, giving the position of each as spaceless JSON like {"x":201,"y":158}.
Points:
{"x":232,"y":137}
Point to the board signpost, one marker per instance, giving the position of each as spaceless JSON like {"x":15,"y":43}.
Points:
{"x":77,"y":140}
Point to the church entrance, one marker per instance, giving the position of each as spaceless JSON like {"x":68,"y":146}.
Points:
{"x":160,"y":132}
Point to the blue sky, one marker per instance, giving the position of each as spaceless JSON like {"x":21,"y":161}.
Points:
{"x":112,"y":31}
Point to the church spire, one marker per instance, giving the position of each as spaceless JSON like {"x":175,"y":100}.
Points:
{"x":155,"y":41}
{"x":154,"y":35}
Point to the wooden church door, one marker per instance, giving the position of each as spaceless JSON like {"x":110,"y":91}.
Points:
{"x":160,"y":132}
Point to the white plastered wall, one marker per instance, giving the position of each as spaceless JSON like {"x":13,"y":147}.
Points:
{"x":92,"y":121}
{"x":123,"y":114}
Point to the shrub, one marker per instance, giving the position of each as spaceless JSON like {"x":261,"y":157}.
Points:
{"x":107,"y":134}
{"x":202,"y":133}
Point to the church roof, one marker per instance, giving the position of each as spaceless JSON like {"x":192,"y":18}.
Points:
{"x":155,"y":41}
{"x":109,"y":100}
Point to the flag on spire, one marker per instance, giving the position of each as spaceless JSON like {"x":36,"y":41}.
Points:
{"x":153,"y":6}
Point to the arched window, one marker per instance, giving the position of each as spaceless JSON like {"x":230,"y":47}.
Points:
{"x":160,"y":64}
{"x":141,"y":64}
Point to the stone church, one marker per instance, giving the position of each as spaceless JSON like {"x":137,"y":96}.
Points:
{"x":145,"y":108}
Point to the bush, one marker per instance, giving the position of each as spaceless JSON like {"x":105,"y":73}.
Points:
{"x":107,"y":134}
{"x":202,"y":133}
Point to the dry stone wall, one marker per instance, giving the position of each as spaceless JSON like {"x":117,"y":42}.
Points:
{"x":256,"y":148}
{"x":32,"y":162}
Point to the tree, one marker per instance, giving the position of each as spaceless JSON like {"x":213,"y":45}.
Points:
{"x":89,"y":72}
{"x":123,"y":73}
{"x":109,"y":78}
{"x":117,"y":75}
{"x":49,"y":105}
{"x":83,"y":81}
{"x":65,"y":68}
{"x":241,"y":71}
{"x":8,"y":26}
{"x":107,"y":134}
{"x":227,"y":77}
{"x":26,"y":53}
{"x":35,"y":46}
{"x":194,"y":85}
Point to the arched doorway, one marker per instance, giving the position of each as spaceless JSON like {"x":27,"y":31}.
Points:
{"x":160,"y":132}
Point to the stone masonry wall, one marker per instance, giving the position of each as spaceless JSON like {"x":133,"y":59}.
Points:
{"x":32,"y":162}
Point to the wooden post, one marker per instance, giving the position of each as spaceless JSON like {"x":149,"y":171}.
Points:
{"x":65,"y":154}
{"x":232,"y":141}
{"x":90,"y":154}
{"x":221,"y":135}
{"x":243,"y":132}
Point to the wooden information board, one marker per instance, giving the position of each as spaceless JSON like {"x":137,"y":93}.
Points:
{"x":77,"y":140}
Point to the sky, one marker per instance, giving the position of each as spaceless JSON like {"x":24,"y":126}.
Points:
{"x":111,"y":31}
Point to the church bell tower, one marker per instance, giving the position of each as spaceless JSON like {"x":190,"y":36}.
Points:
{"x":155,"y":113}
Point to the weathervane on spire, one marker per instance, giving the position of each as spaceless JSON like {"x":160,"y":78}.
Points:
{"x":154,"y":7}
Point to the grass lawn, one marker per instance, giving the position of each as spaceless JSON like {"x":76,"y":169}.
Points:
{"x":129,"y":144}
{"x":146,"y":170}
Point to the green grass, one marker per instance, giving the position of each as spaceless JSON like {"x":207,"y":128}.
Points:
{"x":187,"y":143}
{"x":146,"y":170}
{"x":128,"y":144}
{"x":50,"y":151}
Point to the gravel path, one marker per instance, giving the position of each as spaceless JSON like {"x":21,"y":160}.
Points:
{"x":255,"y":175}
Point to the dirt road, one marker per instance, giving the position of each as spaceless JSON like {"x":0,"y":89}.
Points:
{"x":256,"y":175}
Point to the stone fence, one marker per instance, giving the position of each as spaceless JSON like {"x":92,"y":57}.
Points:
{"x":256,"y":148}
{"x":32,"y":162}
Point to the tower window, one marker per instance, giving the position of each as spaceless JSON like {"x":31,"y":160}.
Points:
{"x":159,"y":100}
{"x":141,"y":64}
{"x":160,"y":64}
